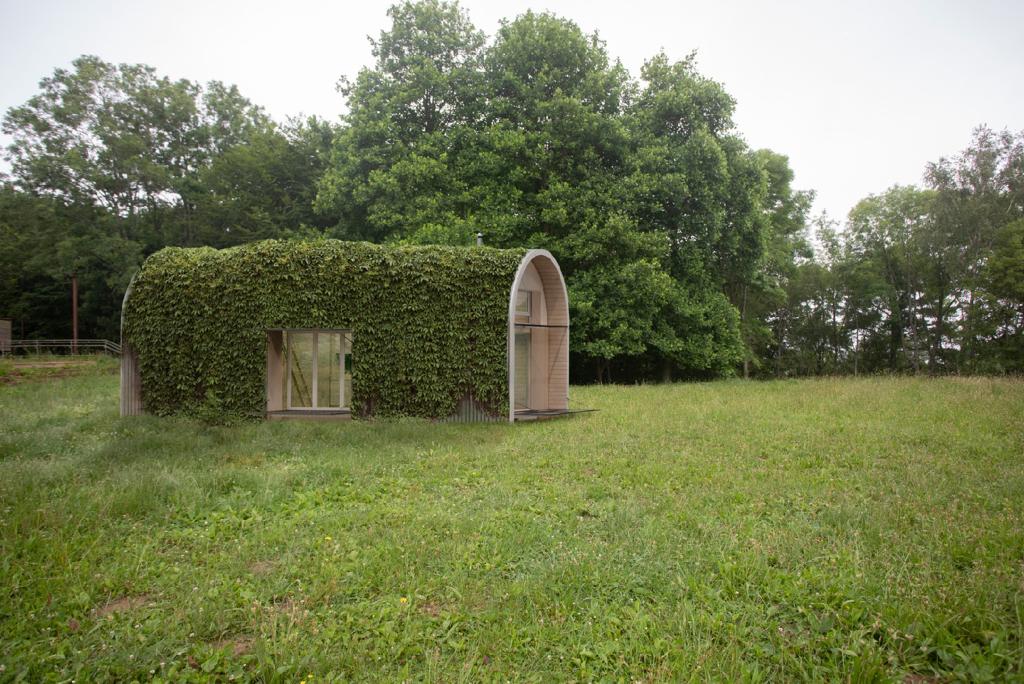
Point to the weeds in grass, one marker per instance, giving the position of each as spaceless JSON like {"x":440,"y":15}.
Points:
{"x":15,"y":369}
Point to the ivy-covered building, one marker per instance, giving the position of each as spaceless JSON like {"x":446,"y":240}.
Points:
{"x":331,"y":329}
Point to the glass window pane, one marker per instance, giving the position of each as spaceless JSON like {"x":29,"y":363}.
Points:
{"x":328,"y":370}
{"x":300,"y":369}
{"x":346,"y":401}
{"x":522,"y":377}
{"x":523,"y":301}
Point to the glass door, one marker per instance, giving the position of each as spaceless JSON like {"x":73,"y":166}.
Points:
{"x":328,"y":370}
{"x":300,"y":347}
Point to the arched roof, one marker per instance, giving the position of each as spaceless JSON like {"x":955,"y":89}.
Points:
{"x":556,"y":298}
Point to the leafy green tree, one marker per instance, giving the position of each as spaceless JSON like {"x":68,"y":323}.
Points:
{"x":110,"y":162}
{"x":264,"y":186}
{"x":653,"y":210}
{"x":392,"y":170}
{"x":1002,"y":286}
{"x":883,"y":231}
{"x":1004,"y":269}
{"x":978,"y":192}
{"x":920,"y":279}
{"x":43,"y":242}
{"x":127,"y":141}
{"x":558,"y":106}
{"x":695,"y":181}
{"x":762,"y":295}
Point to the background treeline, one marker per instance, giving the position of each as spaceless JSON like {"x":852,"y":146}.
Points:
{"x":687,"y":253}
{"x":920,"y":279}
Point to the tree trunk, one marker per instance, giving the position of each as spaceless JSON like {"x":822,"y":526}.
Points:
{"x":895,"y":331}
{"x":780,"y":333}
{"x":969,"y":334}
{"x":935,"y":343}
{"x":743,"y":330}
{"x":912,"y":312}
{"x":856,"y":351}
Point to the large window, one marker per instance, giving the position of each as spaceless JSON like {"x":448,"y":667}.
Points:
{"x":319,"y":369}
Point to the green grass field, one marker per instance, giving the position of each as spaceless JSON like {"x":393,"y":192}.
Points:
{"x":861,"y":530}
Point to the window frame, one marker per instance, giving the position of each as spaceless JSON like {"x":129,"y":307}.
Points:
{"x":528,"y":314}
{"x":346,"y":350}
{"x":527,"y":337}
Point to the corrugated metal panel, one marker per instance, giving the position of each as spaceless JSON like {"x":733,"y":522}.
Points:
{"x":131,"y":382}
{"x":471,"y":411}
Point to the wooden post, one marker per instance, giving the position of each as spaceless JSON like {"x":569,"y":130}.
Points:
{"x":74,"y":313}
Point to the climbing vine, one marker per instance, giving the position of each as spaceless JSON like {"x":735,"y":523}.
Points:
{"x":429,"y":323}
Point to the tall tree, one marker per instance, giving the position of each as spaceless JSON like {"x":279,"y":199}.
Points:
{"x":393,"y":168}
{"x":696,"y":182}
{"x":43,"y":242}
{"x":110,"y":162}
{"x":883,"y":232}
{"x":123,"y":139}
{"x":1001,"y":293}
{"x":557,"y":108}
{"x":760,"y":296}
{"x":979,"y":191}
{"x":264,"y":186}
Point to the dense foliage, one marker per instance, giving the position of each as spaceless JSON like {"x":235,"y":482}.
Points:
{"x":643,"y":191}
{"x":429,"y":324}
{"x":686,"y":253}
{"x":921,"y":279}
{"x":112,"y":162}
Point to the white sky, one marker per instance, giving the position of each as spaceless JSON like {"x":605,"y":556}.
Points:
{"x":859,"y":95}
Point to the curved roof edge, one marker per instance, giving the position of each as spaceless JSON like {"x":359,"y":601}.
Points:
{"x":524,"y":263}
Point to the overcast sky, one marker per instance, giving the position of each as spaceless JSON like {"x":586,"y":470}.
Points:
{"x":859,"y":95}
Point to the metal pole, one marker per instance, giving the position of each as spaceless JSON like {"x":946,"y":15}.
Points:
{"x":74,"y":313}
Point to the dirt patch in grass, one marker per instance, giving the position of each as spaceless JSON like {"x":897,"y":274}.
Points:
{"x":122,"y":604}
{"x":295,"y":611}
{"x":71,"y":363}
{"x":17,"y":378}
{"x":15,"y":371}
{"x":431,"y":609}
{"x":237,"y":645}
{"x":261,"y":567}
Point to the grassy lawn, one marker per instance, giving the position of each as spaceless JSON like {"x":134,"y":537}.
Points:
{"x":15,"y":369}
{"x":824,"y":529}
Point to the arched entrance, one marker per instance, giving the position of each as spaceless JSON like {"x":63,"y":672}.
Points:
{"x":538,"y":339}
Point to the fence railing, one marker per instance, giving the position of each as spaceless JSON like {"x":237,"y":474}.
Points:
{"x":66,"y":346}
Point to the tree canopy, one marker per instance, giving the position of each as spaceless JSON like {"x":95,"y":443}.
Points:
{"x":649,"y":199}
{"x":922,"y":279}
{"x":687,"y":253}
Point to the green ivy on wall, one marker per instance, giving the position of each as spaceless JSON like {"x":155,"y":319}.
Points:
{"x":429,"y":323}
